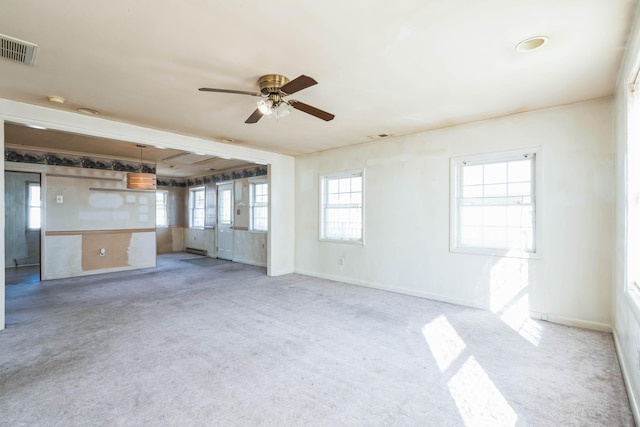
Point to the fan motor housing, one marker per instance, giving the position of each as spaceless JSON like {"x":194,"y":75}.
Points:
{"x":271,"y":83}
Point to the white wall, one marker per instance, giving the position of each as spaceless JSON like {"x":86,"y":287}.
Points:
{"x":407,"y":216}
{"x":626,"y":304}
{"x":201,"y":238}
{"x":281,"y":218}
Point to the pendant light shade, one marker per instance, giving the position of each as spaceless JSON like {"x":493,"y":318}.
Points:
{"x":140,"y":180}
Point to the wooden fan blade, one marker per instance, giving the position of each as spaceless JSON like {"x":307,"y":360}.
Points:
{"x":237,"y":92}
{"x":299,"y":83}
{"x":312,"y":110}
{"x":253,"y":118}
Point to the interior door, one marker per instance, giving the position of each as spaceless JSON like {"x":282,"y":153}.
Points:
{"x":225,"y":221}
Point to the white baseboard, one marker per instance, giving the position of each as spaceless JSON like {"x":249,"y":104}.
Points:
{"x":633,"y":402}
{"x":389,"y":288}
{"x":69,"y":274}
{"x":568,"y":321}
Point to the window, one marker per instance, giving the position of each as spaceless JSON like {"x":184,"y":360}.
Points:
{"x":196,"y":207}
{"x":34,"y":206}
{"x":341,"y":210}
{"x":259,"y":206}
{"x":224,"y":206}
{"x":632,"y":183}
{"x":161,"y":208}
{"x":494,"y":204}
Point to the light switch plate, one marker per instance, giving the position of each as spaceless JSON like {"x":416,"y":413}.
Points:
{"x":59,"y":199}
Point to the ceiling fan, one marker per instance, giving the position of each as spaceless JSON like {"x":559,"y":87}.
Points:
{"x":273,"y":89}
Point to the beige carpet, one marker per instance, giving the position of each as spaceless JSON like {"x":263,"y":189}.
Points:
{"x":186,"y":344}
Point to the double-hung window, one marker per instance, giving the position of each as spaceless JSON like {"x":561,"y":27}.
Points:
{"x":493,"y":204}
{"x":341,"y":207}
{"x":161,"y":208}
{"x":196,"y":207}
{"x":259,"y":193}
{"x":34,"y":206}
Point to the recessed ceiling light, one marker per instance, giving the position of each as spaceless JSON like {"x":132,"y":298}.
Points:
{"x":225,"y":157}
{"x":199,"y":154}
{"x":160,"y":147}
{"x":532,"y":43}
{"x":56,"y":99}
{"x":227,"y":140}
{"x":89,"y":111}
{"x":37,"y":127}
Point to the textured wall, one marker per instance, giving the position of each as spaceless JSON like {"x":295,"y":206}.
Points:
{"x":407,"y":216}
{"x":87,"y":210}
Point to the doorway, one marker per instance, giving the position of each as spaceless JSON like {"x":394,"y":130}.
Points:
{"x":225,"y":221}
{"x":23,"y":220}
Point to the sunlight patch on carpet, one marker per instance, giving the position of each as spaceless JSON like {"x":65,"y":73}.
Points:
{"x":479,"y":401}
{"x":444,"y":342}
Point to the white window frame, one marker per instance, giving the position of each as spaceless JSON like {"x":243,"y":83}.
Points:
{"x":324,"y":206}
{"x":257,"y":205}
{"x":192,"y":208}
{"x":632,"y":192}
{"x":162,"y":213}
{"x":455,"y":181}
{"x":31,"y":206}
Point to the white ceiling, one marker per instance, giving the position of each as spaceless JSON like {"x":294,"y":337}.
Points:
{"x":383,"y":67}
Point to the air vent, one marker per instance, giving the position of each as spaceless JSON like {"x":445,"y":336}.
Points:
{"x":18,"y":50}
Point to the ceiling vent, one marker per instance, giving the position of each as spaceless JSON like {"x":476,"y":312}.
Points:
{"x":18,"y":50}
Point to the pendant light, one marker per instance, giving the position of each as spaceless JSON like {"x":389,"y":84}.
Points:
{"x":139,"y":180}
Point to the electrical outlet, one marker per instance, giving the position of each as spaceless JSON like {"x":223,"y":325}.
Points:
{"x":544,"y":316}
{"x":341,"y":261}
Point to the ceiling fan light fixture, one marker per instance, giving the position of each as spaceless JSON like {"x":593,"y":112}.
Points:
{"x":282,"y":110}
{"x":273,"y":89}
{"x":265,"y":106}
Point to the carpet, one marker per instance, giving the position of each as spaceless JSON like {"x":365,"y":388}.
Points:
{"x":171,"y":346}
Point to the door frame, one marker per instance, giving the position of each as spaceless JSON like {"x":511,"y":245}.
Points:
{"x":41,"y":171}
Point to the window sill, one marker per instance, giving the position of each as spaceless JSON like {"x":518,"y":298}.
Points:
{"x":502,"y":253}
{"x":348,"y":242}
